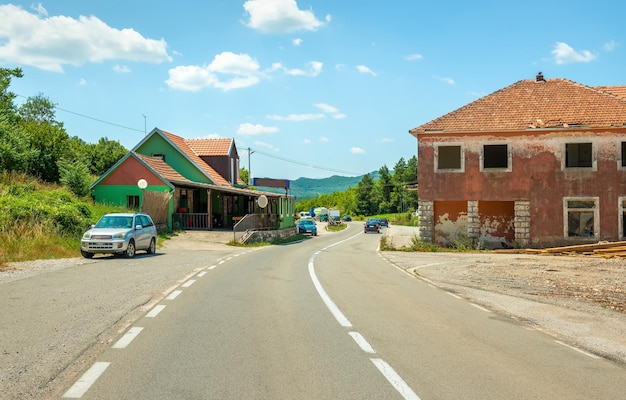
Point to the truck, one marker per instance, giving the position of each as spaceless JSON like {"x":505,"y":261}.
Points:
{"x":334,"y":217}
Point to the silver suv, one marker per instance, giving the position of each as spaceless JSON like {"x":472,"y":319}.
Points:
{"x":120,"y":233}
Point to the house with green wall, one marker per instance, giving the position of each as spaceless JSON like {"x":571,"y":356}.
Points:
{"x":190,"y":184}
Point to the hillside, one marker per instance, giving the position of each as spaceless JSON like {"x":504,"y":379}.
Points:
{"x":307,"y":188}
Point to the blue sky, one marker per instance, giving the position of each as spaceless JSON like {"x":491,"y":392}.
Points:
{"x":314,"y":88}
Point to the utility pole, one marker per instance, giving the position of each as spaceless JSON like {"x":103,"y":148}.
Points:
{"x":249,"y":170}
{"x":145,"y":128}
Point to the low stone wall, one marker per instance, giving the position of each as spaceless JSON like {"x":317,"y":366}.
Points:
{"x":272,"y":235}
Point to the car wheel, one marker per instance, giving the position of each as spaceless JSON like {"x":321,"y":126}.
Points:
{"x":86,"y":254}
{"x":130,"y":249}
{"x":152,"y":248}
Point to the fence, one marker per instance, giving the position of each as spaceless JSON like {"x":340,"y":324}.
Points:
{"x":255,"y":222}
{"x":191,"y":221}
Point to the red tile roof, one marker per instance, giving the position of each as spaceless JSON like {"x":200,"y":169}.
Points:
{"x":161,"y":168}
{"x":210,"y":147}
{"x":179,"y":142}
{"x":619,"y":91}
{"x":535,"y":104}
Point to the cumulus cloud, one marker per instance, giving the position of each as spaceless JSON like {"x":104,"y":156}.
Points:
{"x":414,"y":57}
{"x":565,"y":54}
{"x":297,"y":42}
{"x":357,"y":150}
{"x":248,"y":129}
{"x":365,"y":70}
{"x":280,"y":16}
{"x":315,"y":68}
{"x":121,"y":69}
{"x":49,"y":43}
{"x":296,"y":117}
{"x":227,"y":71}
{"x":333,"y":111}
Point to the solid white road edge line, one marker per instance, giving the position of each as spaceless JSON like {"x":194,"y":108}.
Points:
{"x":578,"y":350}
{"x":396,"y":381}
{"x":480,"y":308}
{"x":343,"y":321}
{"x":84,"y":382}
{"x":128,"y":337}
{"x":155,"y":311}
{"x":363,"y":344}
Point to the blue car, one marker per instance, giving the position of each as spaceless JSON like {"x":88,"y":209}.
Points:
{"x":383,"y":223}
{"x":371,"y":225}
{"x":308,"y":227}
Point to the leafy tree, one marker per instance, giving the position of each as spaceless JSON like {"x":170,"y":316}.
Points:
{"x":75,"y":177}
{"x":366,"y":202}
{"x":103,"y":155}
{"x":7,"y":105}
{"x":243,"y":174}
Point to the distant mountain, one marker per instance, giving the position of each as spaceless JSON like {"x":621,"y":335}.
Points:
{"x":307,"y":188}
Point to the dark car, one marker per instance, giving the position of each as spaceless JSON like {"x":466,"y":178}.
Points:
{"x":383,"y":223}
{"x":347,"y":218}
{"x":371,"y":225}
{"x":307,"y":226}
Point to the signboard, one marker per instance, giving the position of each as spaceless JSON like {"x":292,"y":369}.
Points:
{"x":273,"y":183}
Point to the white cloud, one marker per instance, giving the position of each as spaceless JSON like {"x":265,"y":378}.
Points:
{"x":82,"y":82}
{"x":297,"y":42}
{"x":227,"y":71}
{"x":315,"y":68}
{"x":307,"y":141}
{"x":387,"y":140}
{"x":357,"y":150}
{"x":266,"y":145}
{"x":280,"y":16}
{"x":414,"y":57}
{"x":121,"y":69}
{"x":449,"y":81}
{"x":365,"y":70}
{"x":324,"y":139}
{"x":564,"y":54}
{"x":49,"y":43}
{"x":326,"y":108}
{"x":610,"y":46}
{"x":339,"y":116}
{"x":248,"y":129}
{"x":296,"y":117}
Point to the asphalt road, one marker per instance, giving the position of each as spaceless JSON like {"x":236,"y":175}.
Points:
{"x":329,"y":319}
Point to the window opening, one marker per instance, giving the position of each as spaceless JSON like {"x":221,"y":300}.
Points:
{"x":449,"y":157}
{"x":578,"y":155}
{"x":495,"y":156}
{"x":580,"y":218}
{"x":132,"y":202}
{"x":159,"y":155}
{"x":623,"y":154}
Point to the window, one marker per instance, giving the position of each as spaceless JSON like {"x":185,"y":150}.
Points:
{"x":495,"y":156}
{"x":132,"y":202}
{"x":578,"y":155}
{"x":623,"y":154}
{"x":159,"y":155}
{"x":581,"y":217}
{"x":449,"y":157}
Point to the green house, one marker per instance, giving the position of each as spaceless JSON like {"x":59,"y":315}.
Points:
{"x":191,"y":184}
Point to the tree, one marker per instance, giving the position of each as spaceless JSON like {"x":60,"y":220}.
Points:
{"x":45,"y":135}
{"x":366,"y":203}
{"x":243,"y":174}
{"x":75,"y":177}
{"x":103,"y":155}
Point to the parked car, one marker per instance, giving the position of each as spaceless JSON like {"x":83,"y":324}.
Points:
{"x":371,"y":225}
{"x":383,"y":222}
{"x":347,"y":218}
{"x":307,"y":226}
{"x":120,"y":233}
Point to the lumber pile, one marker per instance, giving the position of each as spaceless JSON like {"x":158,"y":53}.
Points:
{"x":600,"y":249}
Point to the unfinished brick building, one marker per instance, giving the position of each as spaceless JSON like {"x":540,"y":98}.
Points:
{"x":541,"y":162}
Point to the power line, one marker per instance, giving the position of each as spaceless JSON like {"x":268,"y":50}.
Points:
{"x":306,"y":164}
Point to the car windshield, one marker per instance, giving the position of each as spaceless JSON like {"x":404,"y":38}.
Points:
{"x":109,"y":221}
{"x":307,"y":222}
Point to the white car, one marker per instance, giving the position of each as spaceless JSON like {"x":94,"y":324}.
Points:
{"x":120,"y":233}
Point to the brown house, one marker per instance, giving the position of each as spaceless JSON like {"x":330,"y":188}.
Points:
{"x":538,"y":163}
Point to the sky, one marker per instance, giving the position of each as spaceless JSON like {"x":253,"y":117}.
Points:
{"x":306,"y":88}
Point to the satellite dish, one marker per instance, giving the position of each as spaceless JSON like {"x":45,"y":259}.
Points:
{"x":142,"y":183}
{"x":262,"y":201}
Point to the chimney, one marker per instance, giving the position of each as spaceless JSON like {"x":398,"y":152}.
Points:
{"x":539,"y":77}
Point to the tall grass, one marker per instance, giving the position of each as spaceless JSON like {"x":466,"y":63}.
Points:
{"x":42,"y":221}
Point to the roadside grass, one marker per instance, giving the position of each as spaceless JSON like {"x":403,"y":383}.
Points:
{"x":462,"y":245}
{"x":336,"y":228}
{"x":42,"y":221}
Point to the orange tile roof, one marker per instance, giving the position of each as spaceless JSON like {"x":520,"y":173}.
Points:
{"x":210,"y":147}
{"x":619,"y":91}
{"x":193,"y":156}
{"x":161,"y":168}
{"x":534,"y":103}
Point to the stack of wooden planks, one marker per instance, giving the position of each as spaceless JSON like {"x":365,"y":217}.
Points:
{"x":601,"y":249}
